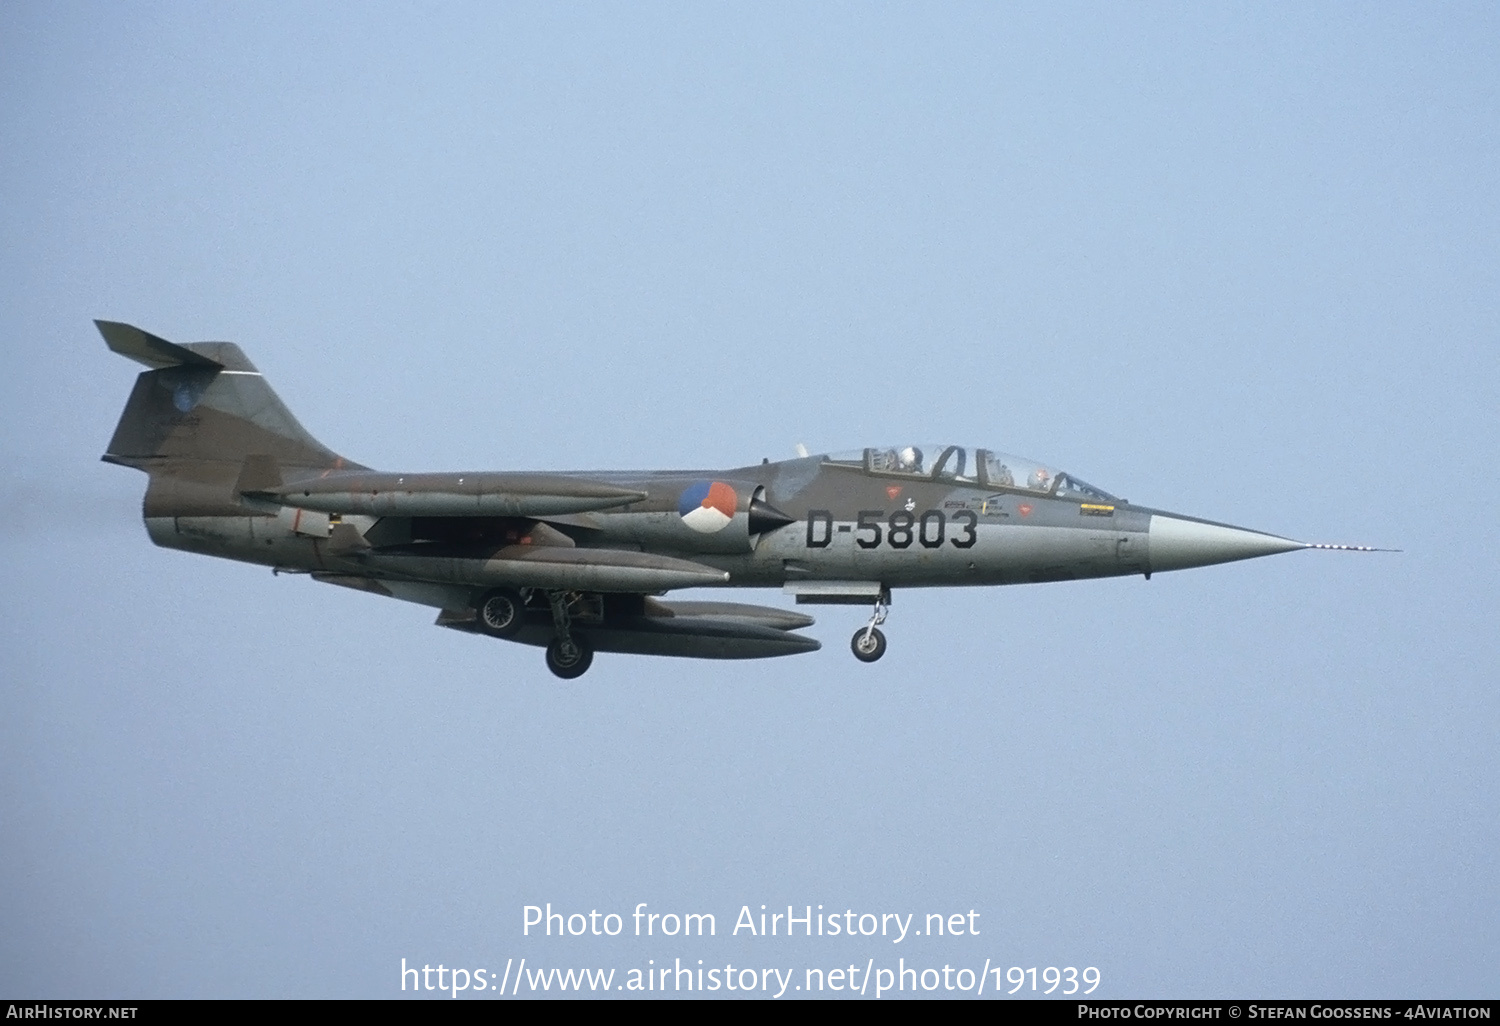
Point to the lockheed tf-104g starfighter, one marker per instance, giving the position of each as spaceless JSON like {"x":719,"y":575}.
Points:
{"x":575,"y":562}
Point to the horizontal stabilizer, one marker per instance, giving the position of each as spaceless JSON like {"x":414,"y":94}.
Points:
{"x":144,"y":347}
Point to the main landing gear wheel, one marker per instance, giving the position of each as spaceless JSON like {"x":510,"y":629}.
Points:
{"x":569,"y":659}
{"x":868,"y":644}
{"x":501,"y":613}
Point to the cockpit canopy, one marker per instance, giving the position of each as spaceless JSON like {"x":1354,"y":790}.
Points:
{"x":982,"y":468}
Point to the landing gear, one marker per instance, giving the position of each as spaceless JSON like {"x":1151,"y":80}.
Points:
{"x":567,"y":656}
{"x":501,"y":613}
{"x":569,"y":659}
{"x":868,"y":644}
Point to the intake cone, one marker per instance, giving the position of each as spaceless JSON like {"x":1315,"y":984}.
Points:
{"x":765,"y":517}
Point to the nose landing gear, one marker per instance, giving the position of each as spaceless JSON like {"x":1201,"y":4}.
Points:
{"x":868,"y":643}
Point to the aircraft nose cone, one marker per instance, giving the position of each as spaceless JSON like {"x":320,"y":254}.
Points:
{"x":1177,"y":543}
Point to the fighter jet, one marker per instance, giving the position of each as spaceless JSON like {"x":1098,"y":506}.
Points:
{"x":576,"y":562}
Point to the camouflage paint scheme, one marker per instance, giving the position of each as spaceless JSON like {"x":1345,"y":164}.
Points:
{"x":572,"y":561}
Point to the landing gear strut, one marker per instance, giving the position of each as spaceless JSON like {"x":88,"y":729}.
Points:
{"x":868,"y":642}
{"x":567,"y":657}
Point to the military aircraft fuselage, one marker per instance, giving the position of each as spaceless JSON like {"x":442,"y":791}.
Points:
{"x":574,"y":561}
{"x":843,"y":524}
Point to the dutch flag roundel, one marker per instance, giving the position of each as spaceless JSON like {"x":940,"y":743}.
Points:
{"x":707,"y":506}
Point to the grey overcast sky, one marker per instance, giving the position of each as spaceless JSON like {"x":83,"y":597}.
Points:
{"x":1235,"y":261}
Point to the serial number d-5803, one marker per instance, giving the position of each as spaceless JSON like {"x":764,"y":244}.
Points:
{"x":900,"y":530}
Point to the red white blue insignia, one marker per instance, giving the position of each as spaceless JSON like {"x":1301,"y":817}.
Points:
{"x":707,"y":506}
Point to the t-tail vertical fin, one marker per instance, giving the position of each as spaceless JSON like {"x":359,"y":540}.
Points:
{"x":204,"y":403}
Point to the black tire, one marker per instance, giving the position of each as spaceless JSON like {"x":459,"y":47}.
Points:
{"x":500,"y":613}
{"x":569,"y":670}
{"x":868,"y":653}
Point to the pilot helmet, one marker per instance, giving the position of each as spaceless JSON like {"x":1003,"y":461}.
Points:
{"x":1039,"y":479}
{"x":911,"y":458}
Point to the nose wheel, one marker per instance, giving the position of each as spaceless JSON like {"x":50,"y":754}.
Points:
{"x":868,"y":643}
